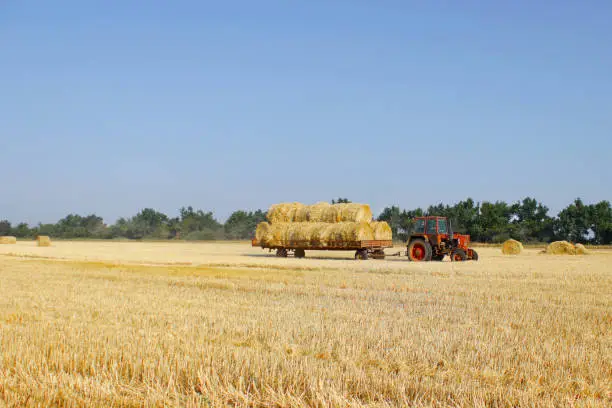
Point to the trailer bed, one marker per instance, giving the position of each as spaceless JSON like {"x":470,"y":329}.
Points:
{"x":329,"y":245}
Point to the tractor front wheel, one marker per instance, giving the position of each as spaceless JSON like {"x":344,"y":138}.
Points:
{"x":419,"y":250}
{"x":458,"y":255}
{"x":474,"y":255}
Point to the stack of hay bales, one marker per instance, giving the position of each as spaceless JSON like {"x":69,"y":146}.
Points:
{"x":512,"y":247}
{"x":8,"y":240}
{"x":565,"y":248}
{"x":320,"y":224}
{"x":43,"y":241}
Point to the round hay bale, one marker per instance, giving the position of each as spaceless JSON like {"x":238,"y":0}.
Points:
{"x":301,"y":214}
{"x":330,"y":214}
{"x":300,"y":231}
{"x":8,"y":240}
{"x":382,"y":230}
{"x":354,"y":212}
{"x":512,"y":247}
{"x":283,"y":212}
{"x":347,"y":231}
{"x":262,"y":232}
{"x":581,"y":249}
{"x":293,"y":211}
{"x":43,"y":241}
{"x":317,"y":233}
{"x":317,"y":212}
{"x":560,"y":248}
{"x":278,"y":234}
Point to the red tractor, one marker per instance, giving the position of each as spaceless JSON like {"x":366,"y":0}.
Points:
{"x":432,"y":239}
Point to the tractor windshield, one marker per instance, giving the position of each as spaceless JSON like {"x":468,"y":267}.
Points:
{"x":442,"y":226}
{"x":419,"y":226}
{"x":431,"y":226}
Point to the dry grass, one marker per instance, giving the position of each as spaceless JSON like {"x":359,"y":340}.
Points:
{"x":224,"y":326}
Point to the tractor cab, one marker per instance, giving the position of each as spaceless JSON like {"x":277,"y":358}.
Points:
{"x":432,"y":238}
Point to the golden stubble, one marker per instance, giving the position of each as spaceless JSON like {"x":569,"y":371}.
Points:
{"x":133,"y":324}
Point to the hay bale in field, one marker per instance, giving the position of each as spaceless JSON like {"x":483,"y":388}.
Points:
{"x":560,"y":248}
{"x":353,"y":212}
{"x":284,"y":212}
{"x":318,"y":234}
{"x":262,"y":232}
{"x":382,"y":230}
{"x":8,"y":240}
{"x":581,"y":249}
{"x":278,"y":234}
{"x":512,"y":247}
{"x":307,"y":233}
{"x":293,"y":211}
{"x":331,"y":214}
{"x":347,"y":231}
{"x":301,"y":215}
{"x":318,"y":212}
{"x":43,"y":241}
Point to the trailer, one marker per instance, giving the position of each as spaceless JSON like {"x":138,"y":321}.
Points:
{"x":363,"y":249}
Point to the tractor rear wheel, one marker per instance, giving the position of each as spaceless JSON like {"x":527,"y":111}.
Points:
{"x":419,"y":250}
{"x":300,"y":253}
{"x":458,"y":255}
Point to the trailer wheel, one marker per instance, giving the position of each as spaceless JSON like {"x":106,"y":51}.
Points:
{"x":281,"y":253}
{"x":419,"y":250}
{"x":458,"y":255}
{"x":361,"y":254}
{"x":300,"y":253}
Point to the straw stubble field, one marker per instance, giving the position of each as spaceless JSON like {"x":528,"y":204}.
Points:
{"x":133,"y":324}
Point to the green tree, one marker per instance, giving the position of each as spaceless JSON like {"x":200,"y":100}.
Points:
{"x":46,"y":229}
{"x":192,"y":220}
{"x":5,"y":228}
{"x":148,"y":223}
{"x":531,"y":221}
{"x":495,"y":221}
{"x":22,"y":230}
{"x":573,"y":222}
{"x":392,"y":216}
{"x":600,"y":222}
{"x":242,"y":224}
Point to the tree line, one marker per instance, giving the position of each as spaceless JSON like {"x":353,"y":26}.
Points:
{"x":527,"y":220}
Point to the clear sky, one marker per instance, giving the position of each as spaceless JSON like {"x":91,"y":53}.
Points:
{"x":108,"y":107}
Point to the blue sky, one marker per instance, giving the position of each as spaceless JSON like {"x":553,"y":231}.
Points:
{"x":108,"y":107}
